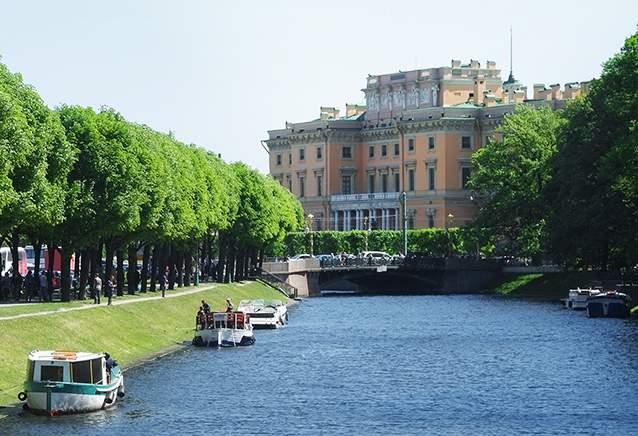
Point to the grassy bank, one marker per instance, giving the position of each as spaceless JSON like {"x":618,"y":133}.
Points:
{"x":130,"y":332}
{"x":548,"y":285}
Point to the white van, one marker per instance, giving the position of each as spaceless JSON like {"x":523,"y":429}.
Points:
{"x":6,"y":260}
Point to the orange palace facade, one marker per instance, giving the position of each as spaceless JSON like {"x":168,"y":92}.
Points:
{"x":416,"y":133}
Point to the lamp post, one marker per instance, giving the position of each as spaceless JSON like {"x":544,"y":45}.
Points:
{"x":404,"y":200}
{"x":448,"y":222}
{"x":310,"y":219}
{"x":366,"y":226}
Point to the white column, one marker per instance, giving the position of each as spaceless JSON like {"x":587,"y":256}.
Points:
{"x":397,"y":221}
{"x":370,"y":216}
{"x":335,"y":217}
{"x":346,"y":220}
{"x":358,"y":219}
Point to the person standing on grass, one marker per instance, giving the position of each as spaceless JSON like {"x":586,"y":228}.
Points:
{"x":43,"y":289}
{"x":108,"y":289}
{"x":97,"y":288}
{"x":28,"y":286}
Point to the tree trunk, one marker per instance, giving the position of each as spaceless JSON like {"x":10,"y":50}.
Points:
{"x":188,"y":266}
{"x":15,"y":256}
{"x":221,"y":262}
{"x":65,"y":274}
{"x":108,"y":268}
{"x":154,"y":265}
{"x":145,"y":260}
{"x":76,"y":266}
{"x":120,"y":272}
{"x":132,"y":268}
{"x":84,"y":272}
{"x":37,"y":253}
{"x":171,"y":266}
{"x":180,"y":268}
{"x":51,"y":252}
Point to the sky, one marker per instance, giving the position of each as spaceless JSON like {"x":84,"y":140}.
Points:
{"x":221,"y":74}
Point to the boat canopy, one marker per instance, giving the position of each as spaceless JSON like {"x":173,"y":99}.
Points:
{"x":60,"y":355}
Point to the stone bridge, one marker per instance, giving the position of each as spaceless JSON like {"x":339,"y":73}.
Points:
{"x":414,"y":275}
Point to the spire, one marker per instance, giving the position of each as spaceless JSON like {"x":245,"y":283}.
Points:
{"x":511,"y":79}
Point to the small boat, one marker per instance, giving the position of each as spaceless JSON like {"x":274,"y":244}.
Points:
{"x":577,"y":298}
{"x":223,"y":329}
{"x":612,"y":304}
{"x":265,"y":313}
{"x":60,"y":382}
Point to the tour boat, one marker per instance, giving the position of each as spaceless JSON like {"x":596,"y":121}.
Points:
{"x":60,"y":382}
{"x":610,"y":304}
{"x":577,"y":298}
{"x":265,"y":314}
{"x":223,"y":329}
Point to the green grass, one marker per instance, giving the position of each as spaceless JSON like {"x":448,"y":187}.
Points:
{"x":548,"y":285}
{"x":130,"y":332}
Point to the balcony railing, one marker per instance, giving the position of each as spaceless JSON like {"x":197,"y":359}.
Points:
{"x":374,"y":196}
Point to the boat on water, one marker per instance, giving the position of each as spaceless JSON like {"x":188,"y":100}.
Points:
{"x":577,"y":298}
{"x":61,"y":382}
{"x":612,"y":304}
{"x":223,"y":329}
{"x":265,"y":313}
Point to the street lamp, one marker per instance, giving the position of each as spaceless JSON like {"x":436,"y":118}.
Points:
{"x":404,"y":201}
{"x":310,"y":219}
{"x":366,"y":226}
{"x":450,"y":218}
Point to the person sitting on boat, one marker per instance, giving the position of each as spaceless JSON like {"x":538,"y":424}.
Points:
{"x":205,"y":307}
{"x":229,"y":305}
{"x":110,"y":364}
{"x":200,"y":320}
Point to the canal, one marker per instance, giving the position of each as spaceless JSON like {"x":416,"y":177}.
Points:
{"x":388,"y":365}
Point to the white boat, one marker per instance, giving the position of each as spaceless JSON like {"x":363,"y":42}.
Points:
{"x":610,"y":304}
{"x":60,"y":382}
{"x":223,"y":329}
{"x":265,"y":313}
{"x":577,"y":298}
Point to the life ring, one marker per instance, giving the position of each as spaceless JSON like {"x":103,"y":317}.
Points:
{"x":229,"y":317}
{"x":22,"y":396}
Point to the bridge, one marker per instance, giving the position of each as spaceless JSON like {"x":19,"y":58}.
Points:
{"x":414,"y":274}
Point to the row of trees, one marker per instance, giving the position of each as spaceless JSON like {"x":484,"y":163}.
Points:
{"x":564,"y":184}
{"x":96,"y":185}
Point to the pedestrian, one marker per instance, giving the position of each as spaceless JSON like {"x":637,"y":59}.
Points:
{"x":163,"y":279}
{"x":28,"y":285}
{"x":97,"y":288}
{"x":108,"y":289}
{"x":229,"y":305}
{"x":43,"y":289}
{"x":205,"y":307}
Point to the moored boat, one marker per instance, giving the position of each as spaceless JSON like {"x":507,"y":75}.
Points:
{"x":223,"y":329}
{"x":265,"y":313}
{"x":577,"y":298}
{"x":612,"y":304}
{"x":60,"y":382}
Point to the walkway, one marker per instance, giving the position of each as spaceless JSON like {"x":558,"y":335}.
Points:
{"x":115,"y":303}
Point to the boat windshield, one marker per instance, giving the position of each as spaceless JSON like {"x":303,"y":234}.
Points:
{"x":51,"y":373}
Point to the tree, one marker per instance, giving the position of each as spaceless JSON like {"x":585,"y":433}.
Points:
{"x":510,"y":175}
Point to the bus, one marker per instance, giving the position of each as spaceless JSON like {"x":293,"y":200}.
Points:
{"x":6,"y":260}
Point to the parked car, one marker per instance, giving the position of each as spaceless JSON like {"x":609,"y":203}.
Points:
{"x":375,"y":255}
{"x":301,"y":256}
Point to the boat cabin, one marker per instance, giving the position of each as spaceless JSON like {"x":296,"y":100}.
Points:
{"x":223,"y":320}
{"x":67,"y":367}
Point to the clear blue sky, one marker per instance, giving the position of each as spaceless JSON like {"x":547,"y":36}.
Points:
{"x":220,"y":74}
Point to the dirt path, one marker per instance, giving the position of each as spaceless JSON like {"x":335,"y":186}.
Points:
{"x":115,"y":303}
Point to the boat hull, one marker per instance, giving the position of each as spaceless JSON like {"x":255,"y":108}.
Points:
{"x":64,"y":398}
{"x":607,"y":308}
{"x":223,"y":338}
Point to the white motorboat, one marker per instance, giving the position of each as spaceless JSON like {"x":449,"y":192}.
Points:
{"x":265,"y":313}
{"x":577,"y":298}
{"x":60,"y":382}
{"x":223,"y":329}
{"x":612,"y":304}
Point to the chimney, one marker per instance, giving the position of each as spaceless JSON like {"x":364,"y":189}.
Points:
{"x":456,"y":63}
{"x":474,"y":64}
{"x":519,"y":96}
{"x":585,"y":87}
{"x":489,"y":99}
{"x":329,"y":113}
{"x":491,"y":65}
{"x":541,"y":92}
{"x":572,"y":90}
{"x":354,"y":109}
{"x":479,"y":90}
{"x":556,"y":94}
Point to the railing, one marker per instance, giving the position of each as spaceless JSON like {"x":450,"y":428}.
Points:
{"x":364,"y":197}
{"x":279,"y":284}
{"x":358,"y":262}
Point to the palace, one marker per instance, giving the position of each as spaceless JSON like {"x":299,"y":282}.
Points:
{"x":416,"y":133}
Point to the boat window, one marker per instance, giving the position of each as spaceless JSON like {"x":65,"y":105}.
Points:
{"x":81,"y":372}
{"x":96,"y":369}
{"x":51,"y":373}
{"x":30,"y":369}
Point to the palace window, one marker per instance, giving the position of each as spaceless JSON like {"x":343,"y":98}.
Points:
{"x":319,"y":186}
{"x":397,"y":183}
{"x":302,"y":187}
{"x":384,"y":183}
{"x":289,"y":158}
{"x":466,"y":142}
{"x":410,"y":180}
{"x":302,"y":154}
{"x":411,"y":144}
{"x":384,"y":150}
{"x":466,"y":173}
{"x":431,"y":178}
{"x":371,"y":183}
{"x":371,"y":151}
{"x":430,"y":221}
{"x":346,"y":185}
{"x":346,"y":152}
{"x":279,"y":159}
{"x":319,"y":153}
{"x":396,"y":149}
{"x":431,"y":143}
{"x":289,"y":184}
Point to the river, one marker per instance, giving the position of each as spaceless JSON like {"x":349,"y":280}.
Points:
{"x":402,"y":365}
